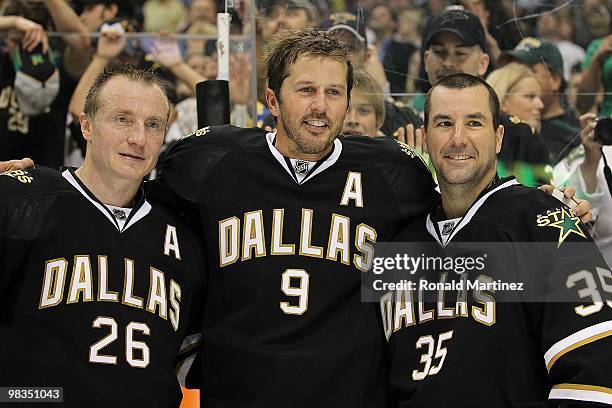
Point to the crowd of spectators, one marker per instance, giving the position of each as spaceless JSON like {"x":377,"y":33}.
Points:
{"x":550,"y":62}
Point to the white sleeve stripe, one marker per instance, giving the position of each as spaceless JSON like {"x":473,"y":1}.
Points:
{"x":578,"y":339}
{"x":581,"y":393}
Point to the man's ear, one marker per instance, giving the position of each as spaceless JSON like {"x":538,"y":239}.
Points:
{"x":111,"y":11}
{"x":499,"y":138}
{"x":85,"y":122}
{"x":483,"y":64}
{"x":272,"y":102}
{"x":424,"y":139}
{"x":556,"y":80}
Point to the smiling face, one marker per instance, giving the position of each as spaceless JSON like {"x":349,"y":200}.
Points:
{"x":311,"y":106}
{"x":447,"y":55}
{"x":361,"y":117}
{"x":460,"y":137}
{"x":524,"y":102}
{"x":126,"y":133}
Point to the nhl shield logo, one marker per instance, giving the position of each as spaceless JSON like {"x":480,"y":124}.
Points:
{"x":301,"y":167}
{"x":448,"y":227}
{"x":119,"y":214}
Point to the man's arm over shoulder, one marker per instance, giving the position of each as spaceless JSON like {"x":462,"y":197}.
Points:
{"x":192,"y":159}
{"x":25,"y":199}
{"x":408,"y":178}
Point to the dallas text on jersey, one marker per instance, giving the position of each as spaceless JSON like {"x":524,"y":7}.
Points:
{"x":163,"y":299}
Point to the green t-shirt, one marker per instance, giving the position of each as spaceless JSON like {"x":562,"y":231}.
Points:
{"x":418,"y":102}
{"x":606,"y":106}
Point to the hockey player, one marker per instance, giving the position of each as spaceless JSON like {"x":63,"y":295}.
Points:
{"x":289,"y":219}
{"x":472,"y":347}
{"x":96,"y":281}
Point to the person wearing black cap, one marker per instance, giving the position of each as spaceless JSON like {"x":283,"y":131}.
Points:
{"x":351,"y":30}
{"x":455,"y":41}
{"x":560,"y":127}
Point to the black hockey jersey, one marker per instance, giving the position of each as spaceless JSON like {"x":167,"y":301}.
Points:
{"x":478,"y":348}
{"x":283,"y":321}
{"x":98,"y":308}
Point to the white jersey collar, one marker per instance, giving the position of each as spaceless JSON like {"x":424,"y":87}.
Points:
{"x":446,"y":239}
{"x":322,"y":167}
{"x":140,"y":210}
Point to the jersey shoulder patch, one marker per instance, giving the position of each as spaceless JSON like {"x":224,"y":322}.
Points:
{"x":538,"y":216}
{"x":19,"y":183}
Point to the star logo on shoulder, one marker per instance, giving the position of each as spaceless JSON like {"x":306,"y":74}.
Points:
{"x":564,"y":219}
{"x":199,"y":132}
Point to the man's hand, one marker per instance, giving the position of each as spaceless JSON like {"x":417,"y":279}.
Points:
{"x":25,"y":163}
{"x":112,"y":41}
{"x":592,"y":148}
{"x":582,"y":208}
{"x":33,"y":34}
{"x":604,"y":50}
{"x":166,"y":51}
{"x":413,"y":138}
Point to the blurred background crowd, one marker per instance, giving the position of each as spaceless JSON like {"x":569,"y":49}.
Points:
{"x":549,"y":61}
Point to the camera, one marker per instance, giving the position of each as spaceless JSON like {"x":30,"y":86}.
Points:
{"x":603,"y":130}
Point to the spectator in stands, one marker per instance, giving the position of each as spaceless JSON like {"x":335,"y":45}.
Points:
{"x":291,"y":14}
{"x":202,"y":20}
{"x":597,"y":74}
{"x":351,"y":30}
{"x":366,"y":112}
{"x":455,"y":41}
{"x":559,"y":125}
{"x":496,"y":17}
{"x":401,"y":54}
{"x":163,"y":15}
{"x":557,"y":28}
{"x":519,"y":93}
{"x":111,"y":43}
{"x":524,"y":154}
{"x":383,"y":22}
{"x":584,"y":169}
{"x":34,"y":87}
{"x":597,"y":18}
{"x":196,"y":46}
{"x":94,"y":13}
{"x":451,"y":46}
{"x":203,"y":11}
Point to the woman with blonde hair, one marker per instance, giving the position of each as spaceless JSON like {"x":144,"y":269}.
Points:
{"x":519,"y":93}
{"x":524,"y":153}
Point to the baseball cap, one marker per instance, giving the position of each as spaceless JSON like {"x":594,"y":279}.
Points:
{"x":462,"y":23}
{"x":37,"y":79}
{"x":311,"y":9}
{"x":346,"y":21}
{"x":532,"y":51}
